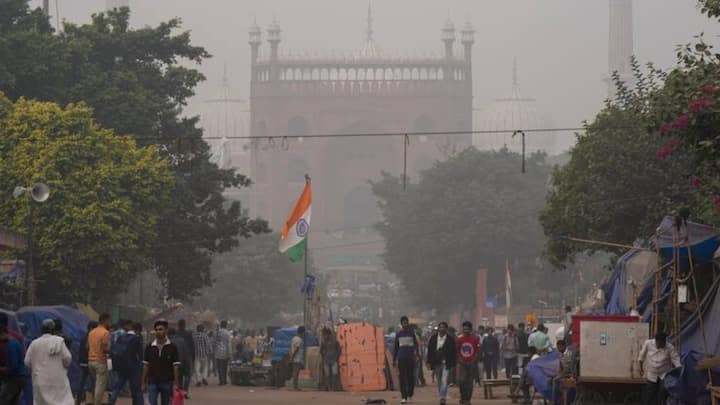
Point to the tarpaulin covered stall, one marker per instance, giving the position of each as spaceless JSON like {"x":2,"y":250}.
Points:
{"x":283,"y":337}
{"x":74,"y":325}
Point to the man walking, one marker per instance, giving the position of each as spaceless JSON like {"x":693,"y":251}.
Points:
{"x":98,"y":350}
{"x":203,"y":351}
{"x":468,"y":349}
{"x":509,"y":348}
{"x":522,"y":338}
{"x":161,"y":369}
{"x":127,"y":356}
{"x":405,"y":355}
{"x":491,"y":354}
{"x":297,"y":355}
{"x":656,"y":358}
{"x":222,"y":352}
{"x":330,"y":353}
{"x":441,"y":358}
{"x":12,"y":369}
{"x":49,"y":359}
{"x":187,"y":367}
{"x":83,"y":353}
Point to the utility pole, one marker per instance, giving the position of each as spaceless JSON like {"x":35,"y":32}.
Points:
{"x":46,"y":7}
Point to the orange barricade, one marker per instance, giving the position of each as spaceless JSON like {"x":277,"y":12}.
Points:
{"x":362,"y":360}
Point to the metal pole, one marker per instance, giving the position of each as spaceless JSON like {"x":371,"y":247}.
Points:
{"x":46,"y":7}
{"x":305,"y":298}
{"x":30,"y":273}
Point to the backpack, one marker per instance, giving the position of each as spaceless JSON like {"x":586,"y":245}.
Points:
{"x":119,"y":350}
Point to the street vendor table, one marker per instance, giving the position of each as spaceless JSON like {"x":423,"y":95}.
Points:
{"x":249,"y":375}
{"x":594,"y":390}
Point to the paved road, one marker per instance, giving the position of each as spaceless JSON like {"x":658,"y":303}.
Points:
{"x":215,"y":395}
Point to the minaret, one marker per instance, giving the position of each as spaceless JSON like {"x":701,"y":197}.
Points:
{"x":467,"y":37}
{"x":620,"y":43}
{"x":448,"y":38}
{"x":273,"y":33}
{"x":254,"y":40}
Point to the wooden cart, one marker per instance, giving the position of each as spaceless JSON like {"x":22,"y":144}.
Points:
{"x":599,"y":390}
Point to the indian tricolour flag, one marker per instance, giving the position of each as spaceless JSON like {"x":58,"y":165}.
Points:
{"x":297,"y":226}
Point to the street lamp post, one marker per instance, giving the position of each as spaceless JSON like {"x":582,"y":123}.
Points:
{"x":39,"y":193}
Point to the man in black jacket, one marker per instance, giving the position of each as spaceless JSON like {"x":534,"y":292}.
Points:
{"x":441,"y":358}
{"x":83,"y":360}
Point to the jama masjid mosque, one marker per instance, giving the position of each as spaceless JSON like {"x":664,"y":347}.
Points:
{"x":373,"y":91}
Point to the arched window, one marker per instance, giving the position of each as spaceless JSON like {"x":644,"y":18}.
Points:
{"x":333,"y":74}
{"x":352,"y":74}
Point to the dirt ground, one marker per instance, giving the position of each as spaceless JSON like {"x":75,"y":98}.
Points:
{"x":214,"y":395}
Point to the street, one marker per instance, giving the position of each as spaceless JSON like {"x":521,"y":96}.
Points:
{"x":215,"y":395}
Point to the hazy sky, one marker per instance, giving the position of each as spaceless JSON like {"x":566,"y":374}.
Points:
{"x":560,"y":45}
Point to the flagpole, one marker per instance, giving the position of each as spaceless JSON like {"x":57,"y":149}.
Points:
{"x":305,"y":256}
{"x":305,"y":299}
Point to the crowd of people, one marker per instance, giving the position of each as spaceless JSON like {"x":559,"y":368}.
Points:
{"x":113,"y":359}
{"x":462,"y":359}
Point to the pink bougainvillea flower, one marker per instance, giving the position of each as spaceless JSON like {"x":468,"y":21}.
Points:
{"x":666,"y":150}
{"x":665,"y":128}
{"x":681,"y":121}
{"x":695,"y":181}
{"x":699,"y":105}
{"x":709,"y":89}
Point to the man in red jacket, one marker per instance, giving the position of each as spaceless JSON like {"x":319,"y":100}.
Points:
{"x":468,"y":349}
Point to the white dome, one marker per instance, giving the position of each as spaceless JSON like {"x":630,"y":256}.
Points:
{"x":511,"y":114}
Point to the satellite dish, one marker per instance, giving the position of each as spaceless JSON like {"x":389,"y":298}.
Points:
{"x":40,"y":192}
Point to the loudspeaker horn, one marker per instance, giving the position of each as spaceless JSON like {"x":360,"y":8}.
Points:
{"x":40,"y":192}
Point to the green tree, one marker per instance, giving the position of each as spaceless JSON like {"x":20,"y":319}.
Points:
{"x":475,"y":210}
{"x":255,"y":282}
{"x":107,"y":197}
{"x":137,"y":81}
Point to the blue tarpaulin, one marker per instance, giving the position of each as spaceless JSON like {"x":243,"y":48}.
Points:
{"x":283,"y":337}
{"x":74,"y":325}
{"x":686,"y":385}
{"x":541,"y":372}
{"x":12,"y":321}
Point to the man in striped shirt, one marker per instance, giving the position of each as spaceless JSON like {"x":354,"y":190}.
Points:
{"x":203,"y":351}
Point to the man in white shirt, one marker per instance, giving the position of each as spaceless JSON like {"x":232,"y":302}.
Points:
{"x":656,"y":358}
{"x":297,"y":355}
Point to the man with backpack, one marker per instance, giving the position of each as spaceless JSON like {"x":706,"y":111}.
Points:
{"x":127,"y":354}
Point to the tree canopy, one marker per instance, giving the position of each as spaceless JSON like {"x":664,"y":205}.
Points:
{"x":614,"y":188}
{"x":107,"y":197}
{"x":255,"y":282}
{"x":137,"y":82}
{"x":476,"y":210}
